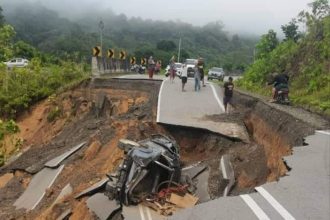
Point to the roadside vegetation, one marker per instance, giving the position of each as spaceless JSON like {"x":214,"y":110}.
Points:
{"x":305,"y":56}
{"x":22,"y":87}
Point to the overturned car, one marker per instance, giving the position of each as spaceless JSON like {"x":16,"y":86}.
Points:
{"x":149,"y":166}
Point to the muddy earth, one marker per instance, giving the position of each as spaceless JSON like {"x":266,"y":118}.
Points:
{"x":102,"y":111}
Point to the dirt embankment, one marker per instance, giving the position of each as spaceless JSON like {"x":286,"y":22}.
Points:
{"x":277,"y":129}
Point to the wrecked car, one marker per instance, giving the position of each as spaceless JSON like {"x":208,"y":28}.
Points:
{"x":149,"y":166}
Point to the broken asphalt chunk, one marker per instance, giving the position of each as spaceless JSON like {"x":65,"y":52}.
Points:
{"x":227,"y":172}
{"x":65,"y":215}
{"x":37,"y":188}
{"x":193,"y":170}
{"x":57,"y":160}
{"x":67,"y":190}
{"x":94,"y":188}
{"x":103,"y":207}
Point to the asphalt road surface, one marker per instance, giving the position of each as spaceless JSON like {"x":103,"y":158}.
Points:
{"x":191,"y":107}
{"x":303,"y":194}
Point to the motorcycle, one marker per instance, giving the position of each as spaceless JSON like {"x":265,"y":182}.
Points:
{"x":282,"y":96}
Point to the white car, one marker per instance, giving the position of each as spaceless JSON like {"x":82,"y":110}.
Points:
{"x":178,"y":69}
{"x":190,"y":63}
{"x":216,"y":73}
{"x":17,"y":62}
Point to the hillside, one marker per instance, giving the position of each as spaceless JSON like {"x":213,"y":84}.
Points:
{"x":44,"y":29}
{"x":305,"y":57}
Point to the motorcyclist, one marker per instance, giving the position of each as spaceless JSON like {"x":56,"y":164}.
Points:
{"x":279,"y":81}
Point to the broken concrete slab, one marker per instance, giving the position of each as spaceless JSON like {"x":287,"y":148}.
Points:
{"x":67,"y":190}
{"x":37,"y":188}
{"x":227,"y":172}
{"x":65,"y":215}
{"x":57,"y":160}
{"x":173,"y":108}
{"x":140,"y":212}
{"x":202,"y":186}
{"x":193,"y":170}
{"x":102,"y":206}
{"x":94,"y":188}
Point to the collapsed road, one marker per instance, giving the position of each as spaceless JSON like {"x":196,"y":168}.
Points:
{"x":103,"y":112}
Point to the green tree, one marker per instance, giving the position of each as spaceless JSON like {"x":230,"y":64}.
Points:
{"x":2,"y":19}
{"x":7,"y":33}
{"x":166,"y":45}
{"x":22,"y":49}
{"x":267,"y":43}
{"x":291,"y":30}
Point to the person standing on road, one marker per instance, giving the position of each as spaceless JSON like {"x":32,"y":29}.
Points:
{"x":197,"y":77}
{"x":172,"y":69}
{"x":201,"y":69}
{"x":229,"y":88}
{"x":151,"y":67}
{"x":157,"y":67}
{"x":184,"y":76}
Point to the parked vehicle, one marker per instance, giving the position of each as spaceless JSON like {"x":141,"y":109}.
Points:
{"x":17,"y":62}
{"x":190,"y":63}
{"x":177,"y":68}
{"x":216,"y":73}
{"x":138,"y":68}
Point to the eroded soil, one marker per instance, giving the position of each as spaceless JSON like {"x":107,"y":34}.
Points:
{"x":104,"y":111}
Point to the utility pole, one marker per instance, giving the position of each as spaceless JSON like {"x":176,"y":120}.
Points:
{"x":179,"y":50}
{"x":101,"y":26}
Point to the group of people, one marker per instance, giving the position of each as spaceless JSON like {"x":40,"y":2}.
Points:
{"x":153,"y":67}
{"x":199,"y":79}
{"x":198,"y":74}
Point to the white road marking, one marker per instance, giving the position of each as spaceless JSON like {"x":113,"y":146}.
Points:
{"x":323,"y":132}
{"x":217,"y":98}
{"x":223,"y":169}
{"x":51,"y":183}
{"x":159,"y":99}
{"x":141,"y":212}
{"x":279,"y":208}
{"x":148,"y":213}
{"x":254,"y":207}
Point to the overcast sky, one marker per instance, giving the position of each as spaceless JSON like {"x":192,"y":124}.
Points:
{"x":254,"y":16}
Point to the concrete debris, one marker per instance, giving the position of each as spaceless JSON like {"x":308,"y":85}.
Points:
{"x":37,"y":188}
{"x":103,"y":207}
{"x":57,"y":160}
{"x":94,"y":188}
{"x":202,"y":188}
{"x":141,"y":211}
{"x":185,"y":201}
{"x":193,"y":170}
{"x":227,"y":172}
{"x":67,"y":190}
{"x":65,"y":215}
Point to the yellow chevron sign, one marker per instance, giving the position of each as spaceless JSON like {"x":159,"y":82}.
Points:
{"x":122,"y":55}
{"x":111,"y":53}
{"x":97,"y":51}
{"x":133,"y":60}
